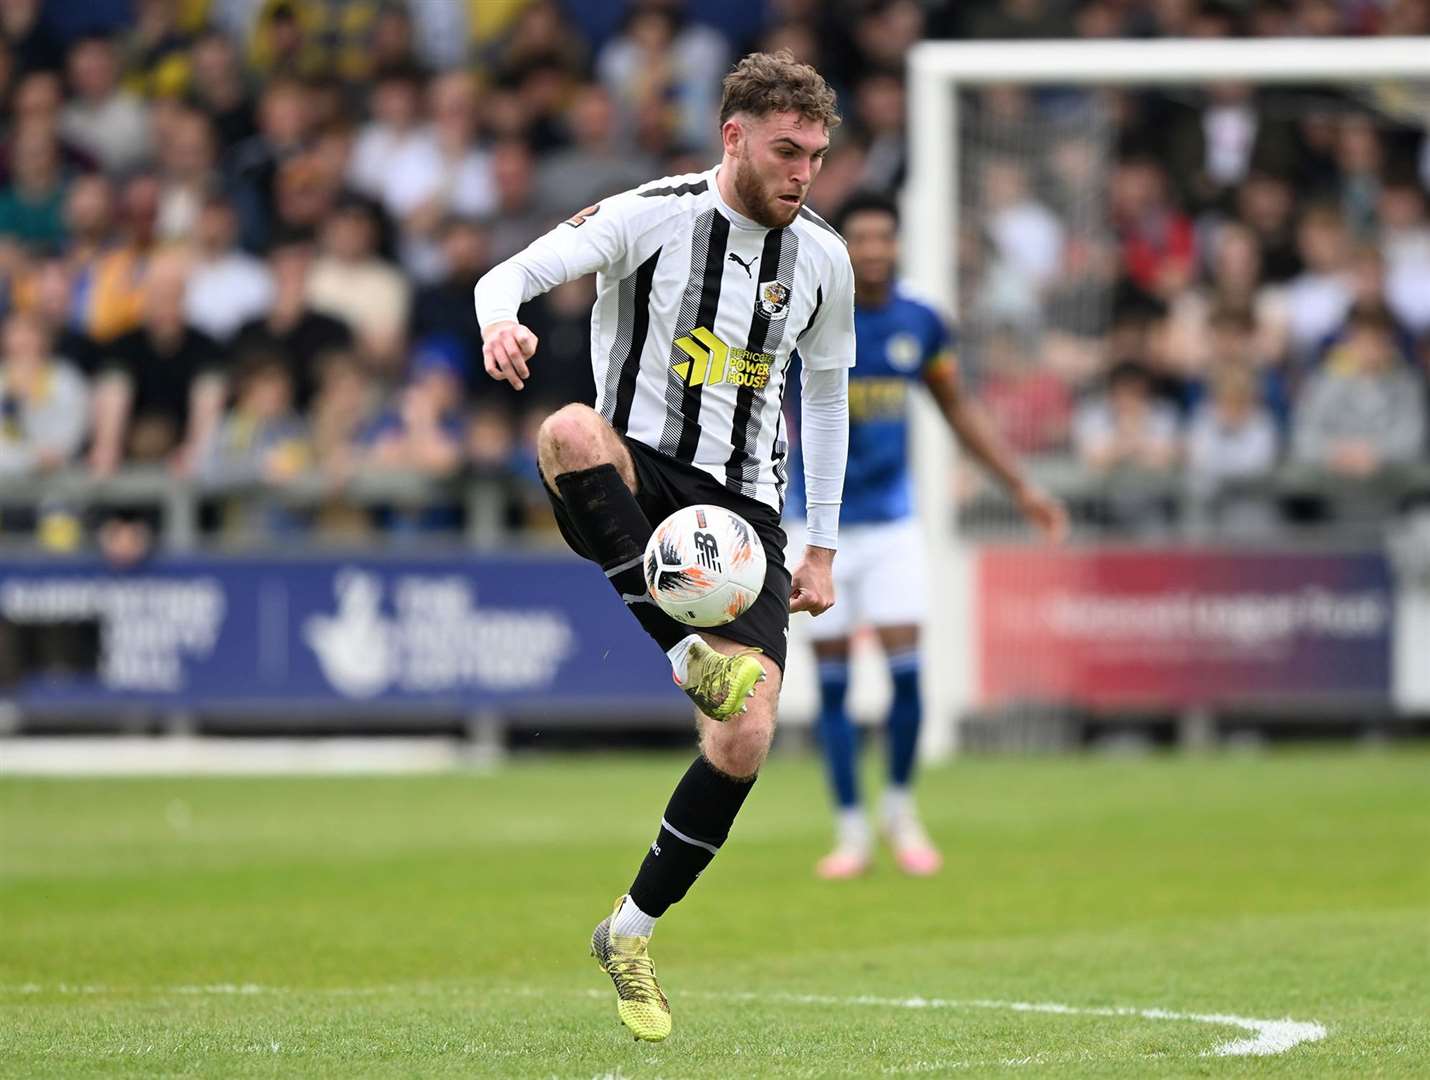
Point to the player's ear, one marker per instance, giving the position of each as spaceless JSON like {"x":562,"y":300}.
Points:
{"x":732,"y":134}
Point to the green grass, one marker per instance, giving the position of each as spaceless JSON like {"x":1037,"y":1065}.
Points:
{"x":436,"y":926}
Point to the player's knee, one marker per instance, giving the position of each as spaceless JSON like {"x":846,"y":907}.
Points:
{"x":571,"y":438}
{"x":739,"y":746}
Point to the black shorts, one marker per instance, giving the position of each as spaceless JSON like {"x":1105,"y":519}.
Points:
{"x":663,"y":486}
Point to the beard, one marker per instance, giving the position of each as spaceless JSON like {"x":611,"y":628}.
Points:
{"x":762,"y":207}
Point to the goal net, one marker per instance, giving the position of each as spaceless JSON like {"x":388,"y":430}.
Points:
{"x":1156,"y":253}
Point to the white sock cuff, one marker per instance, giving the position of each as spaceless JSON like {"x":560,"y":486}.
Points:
{"x":678,"y":652}
{"x":631,"y":921}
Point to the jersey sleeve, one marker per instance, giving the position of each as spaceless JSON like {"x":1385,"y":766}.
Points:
{"x":598,"y":238}
{"x":828,"y":341}
{"x":940,"y":341}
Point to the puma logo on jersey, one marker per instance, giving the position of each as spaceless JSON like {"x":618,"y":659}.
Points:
{"x":748,"y":267}
{"x":712,"y":362}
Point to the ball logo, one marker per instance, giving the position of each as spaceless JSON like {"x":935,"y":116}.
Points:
{"x":707,"y":552}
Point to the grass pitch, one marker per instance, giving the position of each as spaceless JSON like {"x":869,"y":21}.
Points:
{"x":437,"y":926}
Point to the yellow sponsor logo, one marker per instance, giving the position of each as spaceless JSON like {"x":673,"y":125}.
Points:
{"x":877,"y":399}
{"x":712,"y":362}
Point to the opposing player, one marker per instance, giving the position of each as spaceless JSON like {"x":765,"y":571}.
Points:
{"x":880,"y":578}
{"x":706,"y":284}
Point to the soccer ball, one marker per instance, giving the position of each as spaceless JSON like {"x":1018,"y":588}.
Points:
{"x":704,"y":565}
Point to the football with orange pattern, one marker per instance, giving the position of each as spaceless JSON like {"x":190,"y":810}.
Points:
{"x":704,"y":565}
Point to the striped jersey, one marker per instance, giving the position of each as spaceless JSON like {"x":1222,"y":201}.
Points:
{"x":698,"y":314}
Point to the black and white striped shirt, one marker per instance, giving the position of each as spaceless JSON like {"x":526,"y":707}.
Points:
{"x":699,"y":311}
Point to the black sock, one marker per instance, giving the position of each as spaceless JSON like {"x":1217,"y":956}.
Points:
{"x":697,"y":820}
{"x":616,"y":531}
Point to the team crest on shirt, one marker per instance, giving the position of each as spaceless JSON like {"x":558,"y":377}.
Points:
{"x":773,"y":301}
{"x":577,"y":220}
{"x":902,"y":352}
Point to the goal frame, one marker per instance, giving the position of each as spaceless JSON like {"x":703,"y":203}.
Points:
{"x":937,"y":71}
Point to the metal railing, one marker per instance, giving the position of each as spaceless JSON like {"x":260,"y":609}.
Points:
{"x":483,"y":495}
{"x":1350,"y":507}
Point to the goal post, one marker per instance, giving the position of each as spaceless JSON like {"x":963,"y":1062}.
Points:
{"x":937,"y":72}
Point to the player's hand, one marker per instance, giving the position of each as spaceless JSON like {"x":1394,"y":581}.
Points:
{"x":812,"y":584}
{"x":506,"y":347}
{"x":1043,"y":511}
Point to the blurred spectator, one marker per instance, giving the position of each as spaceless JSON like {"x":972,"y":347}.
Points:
{"x":1029,"y":404}
{"x":261,"y":441}
{"x":1234,"y":343}
{"x":161,"y":391}
{"x":343,"y":408}
{"x":841,"y":176}
{"x":156,"y":57}
{"x":51,"y":301}
{"x":1363,"y":408}
{"x":879,"y":109}
{"x":1359,"y":162}
{"x":1233,"y":284}
{"x":287,"y":37}
{"x":1027,"y":235}
{"x":227,"y":286}
{"x":43,"y":401}
{"x":1127,"y":429}
{"x":1405,"y":246}
{"x":518,"y":221}
{"x":595,"y":165}
{"x":396,"y":103}
{"x":106,"y":121}
{"x":108,"y":296}
{"x":1266,"y":205}
{"x":218,"y":88}
{"x":888,"y":29}
{"x":1232,"y":437}
{"x":1212,"y":148}
{"x":1318,"y":298}
{"x":445,"y":307}
{"x":1126,"y":426}
{"x":392,"y":39}
{"x":22,"y":27}
{"x":424,"y":433}
{"x":562,"y":322}
{"x":350,"y":282}
{"x":283,"y":125}
{"x":32,"y":207}
{"x":542,"y":93}
{"x":1158,"y":243}
{"x":35,"y":106}
{"x":440,"y":172}
{"x":660,"y":57}
{"x":290,"y":328}
{"x":539,"y":33}
{"x":187,"y":160}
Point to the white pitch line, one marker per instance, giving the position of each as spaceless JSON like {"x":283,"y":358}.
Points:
{"x":1267,"y":1036}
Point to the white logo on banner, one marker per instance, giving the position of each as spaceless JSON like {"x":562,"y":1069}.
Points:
{"x":149,"y":627}
{"x":438,"y":640}
{"x":352,"y":646}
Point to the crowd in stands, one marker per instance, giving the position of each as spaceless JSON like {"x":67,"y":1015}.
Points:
{"x":238,"y":238}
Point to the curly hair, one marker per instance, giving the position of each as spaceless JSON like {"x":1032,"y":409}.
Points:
{"x":764,"y":83}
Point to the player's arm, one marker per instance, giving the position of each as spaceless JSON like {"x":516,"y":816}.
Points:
{"x":824,"y":442}
{"x":976,"y":435}
{"x":594,"y":239}
{"x":826,"y":349}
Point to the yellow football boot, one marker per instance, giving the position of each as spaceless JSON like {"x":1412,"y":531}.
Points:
{"x":641,"y":1005}
{"x":719,"y":684}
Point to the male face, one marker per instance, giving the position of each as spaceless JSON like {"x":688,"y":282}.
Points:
{"x":873,"y":239}
{"x":776,"y":158}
